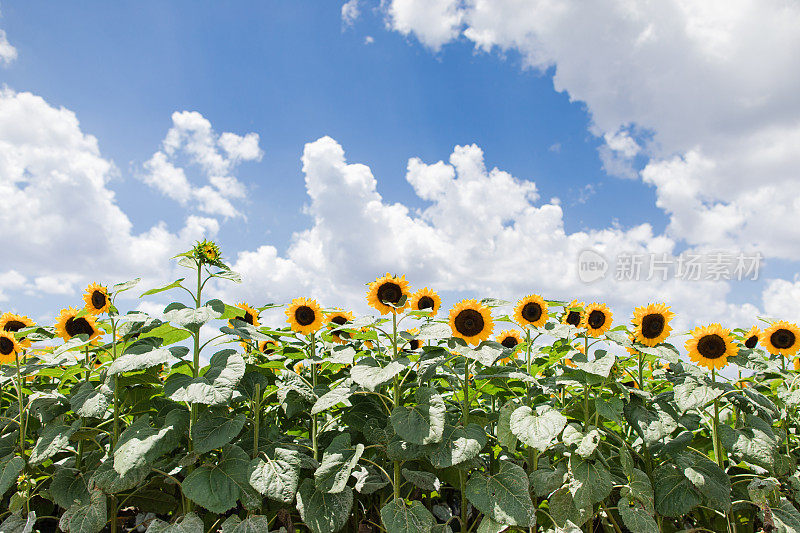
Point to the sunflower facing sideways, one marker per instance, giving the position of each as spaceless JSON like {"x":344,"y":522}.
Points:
{"x":596,"y":319}
{"x":96,"y":299}
{"x":249,"y":316}
{"x":304,"y":316}
{"x":751,"y":337}
{"x":335,"y":319}
{"x":8,"y":347}
{"x":573,"y":314}
{"x":12,"y":323}
{"x":651,"y":324}
{"x":531,"y":311}
{"x":471,"y":321}
{"x":710,"y":346}
{"x":414,"y":344}
{"x":781,"y":338}
{"x":268,"y":347}
{"x":509,"y":339}
{"x":388,"y":290}
{"x":68,"y":324}
{"x":425,"y":300}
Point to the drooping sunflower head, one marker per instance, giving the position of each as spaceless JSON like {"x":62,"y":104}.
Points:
{"x":334,"y":321}
{"x":425,"y":300}
{"x":386,"y":292}
{"x":531,"y":310}
{"x":207,"y":252}
{"x":781,"y":338}
{"x":651,"y":323}
{"x":573,"y":314}
{"x":509,"y":339}
{"x":751,"y":337}
{"x":96,"y":298}
{"x":304,"y":316}
{"x":710,"y":346}
{"x":471,"y":321}
{"x":69,"y":324}
{"x":12,"y":323}
{"x":596,"y":319}
{"x":248,"y":315}
{"x":8,"y":347}
{"x":414,"y":343}
{"x":268,"y":347}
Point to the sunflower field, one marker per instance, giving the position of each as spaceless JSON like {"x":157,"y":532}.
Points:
{"x":535,"y":415}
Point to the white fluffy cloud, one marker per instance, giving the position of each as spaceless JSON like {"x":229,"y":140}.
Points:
{"x":60,"y":220}
{"x":192,"y":138}
{"x":7,"y":52}
{"x":350,"y":12}
{"x":712,"y":85}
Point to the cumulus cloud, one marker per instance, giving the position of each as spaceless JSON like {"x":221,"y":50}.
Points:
{"x":61,"y":222}
{"x":711,"y":86}
{"x":7,"y":52}
{"x":191,"y":138}
{"x":350,"y":12}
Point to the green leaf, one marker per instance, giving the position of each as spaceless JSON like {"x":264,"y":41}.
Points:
{"x":337,"y":463}
{"x":635,"y":517}
{"x":139,"y":357}
{"x":538,"y":429}
{"x":423,"y":480}
{"x":111,"y":482}
{"x":503,"y":496}
{"x":547,"y":480}
{"x":215,"y":431}
{"x":167,"y":333}
{"x":337,"y":395}
{"x":610,"y":408}
{"x":599,"y":366}
{"x":640,"y":488}
{"x":400,"y":517}
{"x":153,"y":501}
{"x":277,"y":478}
{"x":54,"y":439}
{"x":486,"y":353}
{"x":488,"y":525}
{"x":190,"y":318}
{"x":216,"y":387}
{"x":86,"y":517}
{"x":125,"y":285}
{"x":369,"y":479}
{"x":458,"y":444}
{"x":140,"y":445}
{"x":68,"y":487}
{"x":16,"y":524}
{"x":755,"y":443}
{"x":594,"y":478}
{"x":370,"y":376}
{"x":505,"y":437}
{"x":10,"y":468}
{"x":189,"y":523}
{"x":218,"y":486}
{"x":323,"y":512}
{"x":708,"y":478}
{"x":91,"y":402}
{"x":422,"y":423}
{"x":251,"y":524}
{"x":693,"y":393}
{"x":652,"y":425}
{"x":174,"y":284}
{"x":674,"y":493}
{"x":564,"y":511}
{"x":786,"y":517}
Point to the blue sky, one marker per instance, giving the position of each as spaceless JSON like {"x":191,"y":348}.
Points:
{"x":545,"y":103}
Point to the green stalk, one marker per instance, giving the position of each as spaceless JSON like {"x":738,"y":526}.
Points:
{"x":314,"y":444}
{"x":464,"y":422}
{"x":22,"y":430}
{"x":79,"y":457}
{"x":396,"y":402}
{"x":587,"y":391}
{"x":195,"y":367}
{"x":112,"y":508}
{"x":256,"y":418}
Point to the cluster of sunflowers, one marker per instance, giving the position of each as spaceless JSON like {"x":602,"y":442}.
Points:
{"x":448,"y":426}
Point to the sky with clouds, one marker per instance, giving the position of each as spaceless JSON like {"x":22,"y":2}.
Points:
{"x":478,"y":147}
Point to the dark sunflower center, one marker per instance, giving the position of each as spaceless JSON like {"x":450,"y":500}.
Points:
{"x":268,"y":348}
{"x":711,"y":346}
{"x":596,"y":319}
{"x":573,"y":318}
{"x":13,"y":326}
{"x":304,"y":315}
{"x":414,"y":344}
{"x":340,"y":321}
{"x":653,"y":325}
{"x":6,"y":346}
{"x":782,"y":339}
{"x":248,"y":317}
{"x":751,"y":341}
{"x":469,"y":322}
{"x":78,"y":326}
{"x":532,"y":312}
{"x":509,"y":342}
{"x":98,"y":299}
{"x":389,"y":293}
{"x":426,"y":302}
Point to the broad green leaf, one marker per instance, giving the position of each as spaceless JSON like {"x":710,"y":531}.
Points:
{"x":369,"y":479}
{"x":16,"y":524}
{"x":635,"y":517}
{"x":337,"y":463}
{"x":610,"y":408}
{"x":189,"y":523}
{"x":141,"y":357}
{"x":458,"y":444}
{"x":754,"y":443}
{"x":400,"y":517}
{"x":277,"y":475}
{"x":786,"y":517}
{"x":486,"y":353}
{"x":215,"y":431}
{"x":337,"y":395}
{"x":537,"y":429}
{"x":10,"y":468}
{"x":89,"y":401}
{"x":167,"y":333}
{"x":54,"y":439}
{"x":708,"y":478}
{"x":422,"y":423}
{"x":125,"y":285}
{"x":488,"y":525}
{"x":218,"y":486}
{"x":564,"y":511}
{"x":370,"y":376}
{"x":323,"y":512}
{"x":595,"y":481}
{"x":69,"y":487}
{"x":640,"y":488}
{"x":674,"y":493}
{"x":140,"y":444}
{"x":190,"y":318}
{"x":652,"y":425}
{"x":216,"y":387}
{"x":547,"y":480}
{"x":423,"y":480}
{"x":502,"y":496}
{"x":153,"y":501}
{"x":86,"y":517}
{"x":111,"y":482}
{"x":251,"y":524}
{"x":693,"y":393}
{"x":172,"y":285}
{"x":600,"y":366}
{"x":505,"y":437}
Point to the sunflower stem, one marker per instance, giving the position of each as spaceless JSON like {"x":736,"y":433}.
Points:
{"x":256,"y":418}
{"x":396,"y":402}
{"x":198,"y":298}
{"x":22,"y":424}
{"x":314,"y":445}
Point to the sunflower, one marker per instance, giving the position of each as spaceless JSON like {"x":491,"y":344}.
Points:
{"x":207,"y":252}
{"x":388,"y":290}
{"x":267,"y":347}
{"x":8,"y":347}
{"x":425,"y":300}
{"x":781,"y":338}
{"x":96,"y":298}
{"x":710,"y":346}
{"x":471,"y":321}
{"x":298,"y":367}
{"x":69,"y":324}
{"x":304,"y":316}
{"x":13,"y":323}
{"x":596,"y":319}
{"x":751,"y":337}
{"x":339,"y":318}
{"x":569,"y":363}
{"x":573,"y":314}
{"x":531,"y":310}
{"x":367,"y":342}
{"x":651,"y":323}
{"x":414,"y":344}
{"x":509,"y":339}
{"x":250,"y":315}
